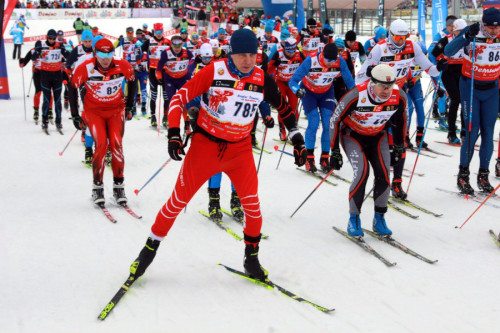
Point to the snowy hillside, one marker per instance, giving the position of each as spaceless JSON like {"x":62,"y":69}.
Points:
{"x":63,"y":261}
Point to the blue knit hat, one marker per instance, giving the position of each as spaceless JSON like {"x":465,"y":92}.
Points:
{"x":221,"y":31}
{"x":340,"y":43}
{"x":284,"y":34}
{"x":243,"y":41}
{"x":86,"y":35}
{"x":491,"y":17}
{"x":269,"y":27}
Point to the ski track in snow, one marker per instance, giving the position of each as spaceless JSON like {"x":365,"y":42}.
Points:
{"x":63,"y":261}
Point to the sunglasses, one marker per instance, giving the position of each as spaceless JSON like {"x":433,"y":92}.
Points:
{"x":159,"y":32}
{"x":105,"y":55}
{"x":385,"y":86}
{"x":51,"y":38}
{"x":398,"y":38}
{"x":206,"y":58}
{"x":312,"y":26}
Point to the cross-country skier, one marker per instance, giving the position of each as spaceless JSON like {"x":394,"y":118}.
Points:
{"x":354,"y":47}
{"x":360,"y":122}
{"x":51,"y":54}
{"x":154,"y":46}
{"x":451,"y":78}
{"x":380,"y":35}
{"x":285,"y":62}
{"x":173,"y":71}
{"x":398,"y":52}
{"x":103,"y":76}
{"x":231,"y":91}
{"x":310,"y":38}
{"x":317,"y":91}
{"x":482,"y":74}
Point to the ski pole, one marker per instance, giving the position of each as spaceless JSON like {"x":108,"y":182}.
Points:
{"x":158,"y":124}
{"x":136,"y":191}
{"x":262,"y":149}
{"x":471,"y":95}
{"x":422,"y":141}
{"x":321,"y":182}
{"x":29,"y":89}
{"x":24,"y":93}
{"x":71,"y":139}
{"x":482,"y":203}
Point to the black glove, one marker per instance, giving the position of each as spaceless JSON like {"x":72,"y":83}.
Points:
{"x":336,"y":159}
{"x":129,"y":112}
{"x":120,"y":39}
{"x":21,"y":62}
{"x":472,"y":31}
{"x":299,"y":149}
{"x":442,"y":65}
{"x":301,"y":93}
{"x":410,"y":84}
{"x":440,"y":92}
{"x":397,"y":154}
{"x":269,"y":122}
{"x":78,"y":122}
{"x":175,"y":148}
{"x":369,"y":70}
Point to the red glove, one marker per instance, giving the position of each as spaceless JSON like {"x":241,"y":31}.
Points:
{"x":159,"y":75}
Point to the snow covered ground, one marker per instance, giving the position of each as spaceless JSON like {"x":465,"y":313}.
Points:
{"x":63,"y":261}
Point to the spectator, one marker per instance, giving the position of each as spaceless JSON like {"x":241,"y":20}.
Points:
{"x":78,"y":26}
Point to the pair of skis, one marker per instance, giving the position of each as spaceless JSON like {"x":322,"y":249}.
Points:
{"x":360,"y":241}
{"x":110,"y":217}
{"x":268,"y":284}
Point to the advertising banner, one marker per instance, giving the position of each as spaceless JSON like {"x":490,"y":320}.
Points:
{"x":439,"y":13}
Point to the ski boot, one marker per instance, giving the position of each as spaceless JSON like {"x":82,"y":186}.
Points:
{"x":418,"y":139}
{"x":45,"y":123}
{"x":435,"y":112}
{"x":354,"y":226}
{"x":482,"y":181}
{"x":397,"y":189}
{"x":89,"y":155}
{"x":379,"y":225}
{"x":443,"y":125}
{"x":497,"y":168}
{"x":251,"y":261}
{"x":236,"y":209}
{"x":153,"y":121}
{"x":66,"y":104}
{"x":35,"y":114}
{"x":452,"y":138}
{"x":214,"y":204}
{"x":143,"y":109}
{"x":409,"y":145}
{"x":119,"y":192}
{"x":324,"y":162}
{"x":310,"y":166}
{"x":164,"y":121}
{"x":145,"y":258}
{"x":98,"y":194}
{"x":59,"y":125}
{"x":283,"y":136}
{"x":463,"y":181}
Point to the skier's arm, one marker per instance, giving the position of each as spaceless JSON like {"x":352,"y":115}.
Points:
{"x":73,"y":56}
{"x":299,"y":74}
{"x":129,"y":73}
{"x":265,"y":61}
{"x":424,"y":62}
{"x":191,"y":61}
{"x":145,"y":46}
{"x":400,"y":120}
{"x":346,"y":73}
{"x":345,"y":106}
{"x":349,"y":63}
{"x":198,"y":85}
{"x":162,"y":61}
{"x":273,"y":63}
{"x":456,"y":44}
{"x":273,"y":96}
{"x":366,"y":47}
{"x":24,"y":61}
{"x":373,"y":59}
{"x":361,"y":52}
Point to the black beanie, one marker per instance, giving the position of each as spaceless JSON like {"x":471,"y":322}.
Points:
{"x":491,"y":17}
{"x":311,"y":21}
{"x":243,"y":41}
{"x":51,"y":33}
{"x":330,"y":51}
{"x":350,"y":36}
